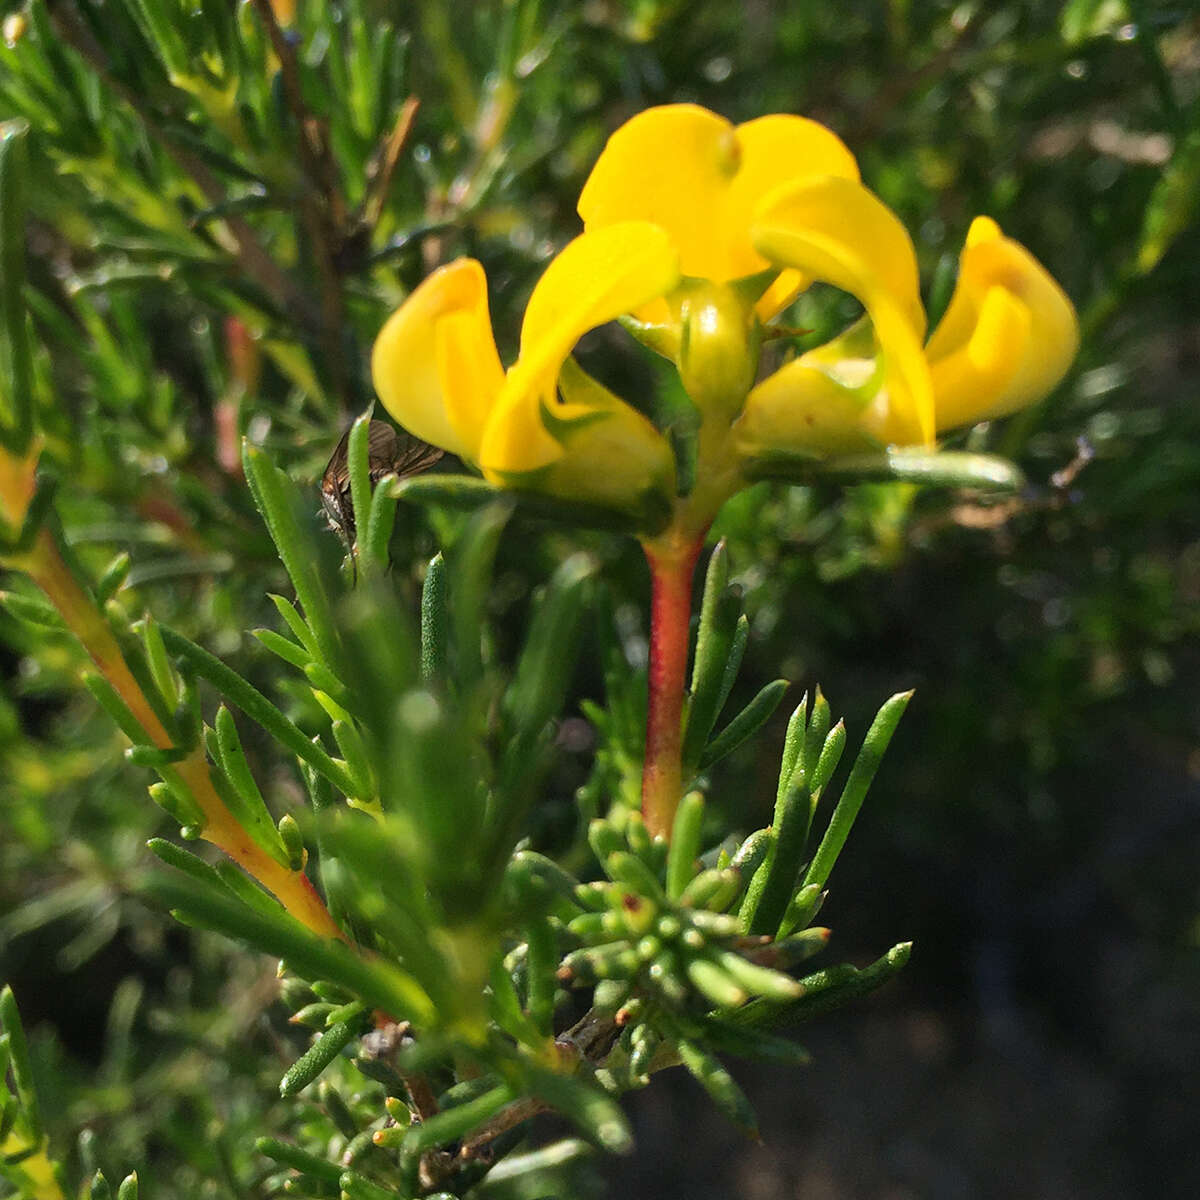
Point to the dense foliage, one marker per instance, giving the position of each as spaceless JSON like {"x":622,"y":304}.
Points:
{"x":225,"y":205}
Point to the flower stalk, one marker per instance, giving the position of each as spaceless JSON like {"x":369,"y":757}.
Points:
{"x":672,"y":559}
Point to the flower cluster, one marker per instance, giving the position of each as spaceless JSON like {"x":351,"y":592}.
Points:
{"x":697,"y":234}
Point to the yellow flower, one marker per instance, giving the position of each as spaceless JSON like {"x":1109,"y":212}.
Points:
{"x":696,"y":234}
{"x":544,"y":424}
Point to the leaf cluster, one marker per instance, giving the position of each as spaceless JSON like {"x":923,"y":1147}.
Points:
{"x":463,"y":948}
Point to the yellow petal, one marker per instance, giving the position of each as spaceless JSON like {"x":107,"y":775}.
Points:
{"x":803,"y":410}
{"x":835,"y":230}
{"x":785,"y":287}
{"x":832,"y":400}
{"x":515,"y":440}
{"x":776,"y":150}
{"x":589,"y":446}
{"x":613,"y":454}
{"x":1008,"y":336}
{"x":435,"y":364}
{"x":671,"y":166}
{"x":471,"y":377}
{"x":592,"y":280}
{"x":696,"y":175}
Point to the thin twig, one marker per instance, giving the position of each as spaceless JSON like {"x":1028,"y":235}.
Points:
{"x":420,"y":1095}
{"x":322,"y":204}
{"x":318,"y":162}
{"x":256,"y":263}
{"x":506,"y":1119}
{"x":590,"y":1040}
{"x":887,"y":99}
{"x":377,"y":190}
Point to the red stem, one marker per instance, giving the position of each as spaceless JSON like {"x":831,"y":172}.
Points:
{"x":671,"y":568}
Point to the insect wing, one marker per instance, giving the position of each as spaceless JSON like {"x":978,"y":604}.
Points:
{"x":335,"y":489}
{"x":414,"y":456}
{"x":382,"y":448}
{"x":389,"y":452}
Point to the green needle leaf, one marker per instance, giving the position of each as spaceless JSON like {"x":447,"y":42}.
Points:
{"x":322,"y":1052}
{"x":767,"y":901}
{"x":33,"y":611}
{"x":381,"y":520}
{"x":299,"y":1160}
{"x":358,"y":464}
{"x":745,"y":725}
{"x":470,"y":584}
{"x":16,"y":425}
{"x":541,"y":964}
{"x":19,"y":1064}
{"x":598,"y":1116}
{"x":946,"y":468}
{"x":861,"y":774}
{"x":279,"y":502}
{"x":825,"y":991}
{"x":250,"y":808}
{"x":746,"y":1042}
{"x":814,"y":736}
{"x":685,"y":844}
{"x":183,"y":860}
{"x":759,"y":981}
{"x":435,"y":621}
{"x":453,"y":1123}
{"x":358,"y":1187}
{"x":719,"y":1084}
{"x":375,"y":982}
{"x":793,"y":744}
{"x":831,"y":755}
{"x":295,"y":622}
{"x":720,"y":609}
{"x":543,"y":671}
{"x":716,"y":984}
{"x":106,"y":696}
{"x":280,"y":646}
{"x":258,"y":708}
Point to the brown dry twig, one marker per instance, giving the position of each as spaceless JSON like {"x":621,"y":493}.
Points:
{"x":322,"y":204}
{"x":257,"y":265}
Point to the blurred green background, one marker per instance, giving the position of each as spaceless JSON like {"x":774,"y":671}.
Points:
{"x":1036,"y":826}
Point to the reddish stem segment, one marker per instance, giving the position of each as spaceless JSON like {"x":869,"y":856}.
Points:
{"x":672,"y":566}
{"x":292,"y":888}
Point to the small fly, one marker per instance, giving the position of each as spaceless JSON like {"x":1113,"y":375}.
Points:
{"x":390,"y":451}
